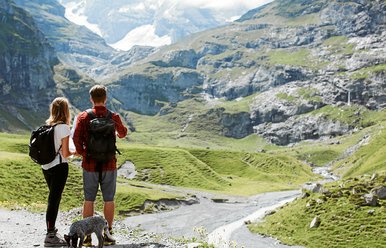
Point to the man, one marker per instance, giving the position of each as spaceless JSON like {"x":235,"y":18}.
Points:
{"x":97,"y":173}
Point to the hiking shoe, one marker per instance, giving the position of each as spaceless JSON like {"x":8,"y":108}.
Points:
{"x":87,"y":241}
{"x":53,"y":239}
{"x":109,"y":241}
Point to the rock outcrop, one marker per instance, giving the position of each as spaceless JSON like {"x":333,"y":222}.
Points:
{"x":26,"y":68}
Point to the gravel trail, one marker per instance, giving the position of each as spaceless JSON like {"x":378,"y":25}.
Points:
{"x":221,"y":224}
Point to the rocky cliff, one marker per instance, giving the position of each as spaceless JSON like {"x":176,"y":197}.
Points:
{"x":75,"y":45}
{"x":26,"y":67}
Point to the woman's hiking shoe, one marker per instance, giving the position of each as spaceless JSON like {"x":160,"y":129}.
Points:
{"x":87,"y":241}
{"x":108,"y":241}
{"x":53,"y":239}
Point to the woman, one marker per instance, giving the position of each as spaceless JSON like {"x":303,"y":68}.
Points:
{"x":56,"y":172}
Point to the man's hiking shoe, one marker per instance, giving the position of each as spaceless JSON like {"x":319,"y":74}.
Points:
{"x":108,"y":241}
{"x":87,"y":241}
{"x":53,"y":239}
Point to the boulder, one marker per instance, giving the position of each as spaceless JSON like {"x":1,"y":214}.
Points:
{"x":313,"y":187}
{"x":371,"y":212}
{"x":315,"y":223}
{"x":380,"y":192}
{"x":370,"y":200}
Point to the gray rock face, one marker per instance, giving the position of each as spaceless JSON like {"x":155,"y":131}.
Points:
{"x":261,"y":79}
{"x":142,"y":94}
{"x":77,"y":46}
{"x":358,"y":17}
{"x":296,"y":129}
{"x":181,"y":58}
{"x":26,"y":74}
{"x":236,"y":125}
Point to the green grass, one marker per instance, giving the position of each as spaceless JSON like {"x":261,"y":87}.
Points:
{"x":238,"y":105}
{"x":251,"y":173}
{"x":368,"y":71}
{"x":300,"y":95}
{"x":353,"y":115}
{"x":370,"y":157}
{"x":310,"y":94}
{"x":243,"y":173}
{"x":301,"y":57}
{"x":229,"y":172}
{"x":170,"y":166}
{"x":311,"y":19}
{"x":286,"y":97}
{"x":344,"y":223}
{"x":335,"y":41}
{"x":11,"y":119}
{"x":22,"y":182}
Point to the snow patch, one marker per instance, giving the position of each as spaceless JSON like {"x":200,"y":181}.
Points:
{"x":74,"y":12}
{"x":143,"y":36}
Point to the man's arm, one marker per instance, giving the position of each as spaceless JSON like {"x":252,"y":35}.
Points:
{"x":79,"y":134}
{"x":119,"y":127}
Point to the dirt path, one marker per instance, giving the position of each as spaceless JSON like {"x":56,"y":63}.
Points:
{"x":22,"y":229}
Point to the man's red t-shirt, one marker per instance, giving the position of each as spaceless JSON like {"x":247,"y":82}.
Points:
{"x":81,"y":137}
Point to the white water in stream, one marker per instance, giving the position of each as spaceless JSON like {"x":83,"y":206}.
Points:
{"x":221,"y":237}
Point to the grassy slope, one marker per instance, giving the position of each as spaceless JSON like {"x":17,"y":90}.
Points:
{"x":190,"y":168}
{"x":22,"y":182}
{"x":228,"y":172}
{"x":251,"y":173}
{"x":344,"y":223}
{"x":369,"y":159}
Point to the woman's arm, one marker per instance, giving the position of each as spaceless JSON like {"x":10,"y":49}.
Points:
{"x":66,"y":147}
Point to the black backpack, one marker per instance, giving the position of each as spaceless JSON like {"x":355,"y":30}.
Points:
{"x":42,"y":145}
{"x":101,"y":137}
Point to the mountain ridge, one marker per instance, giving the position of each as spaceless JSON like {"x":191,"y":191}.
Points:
{"x":320,"y":52}
{"x":288,"y":59}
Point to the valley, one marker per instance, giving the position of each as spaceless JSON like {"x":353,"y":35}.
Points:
{"x":224,"y":123}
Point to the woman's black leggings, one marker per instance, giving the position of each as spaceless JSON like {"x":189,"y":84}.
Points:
{"x":56,"y":178}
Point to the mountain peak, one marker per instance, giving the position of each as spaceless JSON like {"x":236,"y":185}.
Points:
{"x":124,"y":23}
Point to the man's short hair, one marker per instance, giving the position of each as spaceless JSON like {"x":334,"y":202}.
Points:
{"x":98,"y":93}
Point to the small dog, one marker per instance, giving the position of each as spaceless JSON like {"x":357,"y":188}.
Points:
{"x":87,"y":226}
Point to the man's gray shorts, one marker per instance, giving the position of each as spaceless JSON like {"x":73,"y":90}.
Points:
{"x":108,"y":185}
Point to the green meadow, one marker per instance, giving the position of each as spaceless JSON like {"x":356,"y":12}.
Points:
{"x":344,"y":220}
{"x":218,"y":171}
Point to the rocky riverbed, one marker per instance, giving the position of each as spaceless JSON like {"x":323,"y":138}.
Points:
{"x":20,"y":228}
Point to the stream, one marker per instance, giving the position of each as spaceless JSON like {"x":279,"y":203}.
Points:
{"x":221,"y":224}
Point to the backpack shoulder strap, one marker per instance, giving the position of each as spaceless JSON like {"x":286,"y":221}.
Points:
{"x":109,"y":114}
{"x":90,"y":114}
{"x":58,"y":152}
